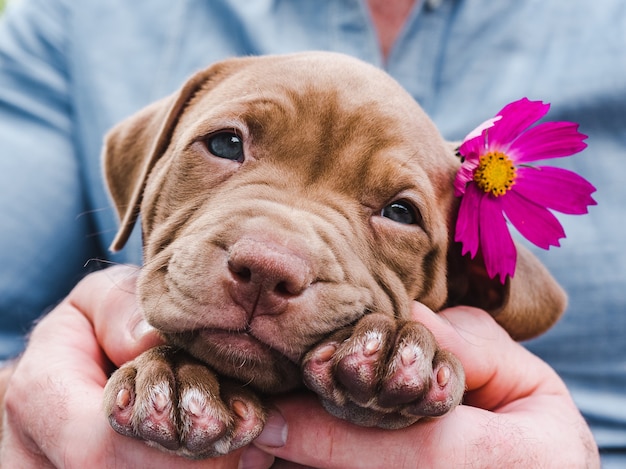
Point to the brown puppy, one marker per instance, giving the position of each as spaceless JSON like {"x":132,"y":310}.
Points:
{"x":292,"y":208}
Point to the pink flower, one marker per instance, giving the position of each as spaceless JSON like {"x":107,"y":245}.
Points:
{"x":498,"y":185}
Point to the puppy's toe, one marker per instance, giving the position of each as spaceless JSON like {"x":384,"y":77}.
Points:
{"x":421,"y":380}
{"x":138,"y":400}
{"x":446,"y":388}
{"x":216,"y":418}
{"x":120,"y":403}
{"x":409,"y":369}
{"x":247,"y":412}
{"x":319,"y":374}
{"x":348,"y":367}
{"x":204,"y":419}
{"x":361,"y":361}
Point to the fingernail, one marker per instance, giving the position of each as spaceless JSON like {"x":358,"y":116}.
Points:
{"x":254,"y":458}
{"x":141,"y":329}
{"x":422,"y":312}
{"x":274,"y":433}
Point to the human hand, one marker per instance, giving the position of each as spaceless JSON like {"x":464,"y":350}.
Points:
{"x":53,"y":403}
{"x":517,"y":413}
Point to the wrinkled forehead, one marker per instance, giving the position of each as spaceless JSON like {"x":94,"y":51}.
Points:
{"x":328,"y":79}
{"x":326,"y":98}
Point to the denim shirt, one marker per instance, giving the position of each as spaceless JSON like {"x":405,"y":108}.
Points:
{"x":70,"y":69}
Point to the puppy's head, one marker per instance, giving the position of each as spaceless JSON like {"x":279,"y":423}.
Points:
{"x":285,"y":197}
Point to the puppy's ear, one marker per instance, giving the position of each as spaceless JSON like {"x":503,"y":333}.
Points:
{"x":133,"y":147}
{"x":526,"y":305}
{"x":130,"y":150}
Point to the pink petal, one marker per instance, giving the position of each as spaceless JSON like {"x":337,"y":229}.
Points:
{"x":516,"y":117}
{"x":466,"y":231}
{"x":472,"y":149}
{"x":547,"y":140}
{"x":496,"y":243}
{"x":555,"y":188}
{"x":537,"y":224}
{"x":481,"y":128}
{"x":463,"y":176}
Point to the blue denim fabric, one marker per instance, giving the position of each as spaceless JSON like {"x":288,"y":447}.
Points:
{"x":71,"y":69}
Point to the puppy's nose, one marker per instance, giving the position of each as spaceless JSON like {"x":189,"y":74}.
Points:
{"x":266,"y":276}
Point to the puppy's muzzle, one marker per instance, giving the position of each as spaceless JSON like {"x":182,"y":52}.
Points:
{"x":266,"y":276}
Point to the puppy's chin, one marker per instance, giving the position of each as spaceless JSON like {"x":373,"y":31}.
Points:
{"x":240,"y":356}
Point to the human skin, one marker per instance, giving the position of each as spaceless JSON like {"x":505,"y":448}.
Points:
{"x":516,"y":411}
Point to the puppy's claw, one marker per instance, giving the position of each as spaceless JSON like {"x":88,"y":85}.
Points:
{"x":325,"y":353}
{"x":408,"y":355}
{"x":123,"y":399}
{"x":443,"y":376}
{"x":241,"y":410}
{"x":371,"y":347}
{"x":196,"y":407}
{"x":447,"y":389}
{"x":161,"y":400}
{"x":120,"y":414}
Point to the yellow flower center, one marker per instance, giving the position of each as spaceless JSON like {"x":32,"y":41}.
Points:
{"x":496,"y":173}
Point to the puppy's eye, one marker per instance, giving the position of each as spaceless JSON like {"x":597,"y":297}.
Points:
{"x":226,"y":145}
{"x":403,"y":212}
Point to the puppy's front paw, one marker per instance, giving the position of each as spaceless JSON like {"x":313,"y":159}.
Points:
{"x":384,"y":373}
{"x":171,"y":400}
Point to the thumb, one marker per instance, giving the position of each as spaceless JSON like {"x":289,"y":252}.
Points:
{"x":498,"y":370}
{"x":108,"y":299}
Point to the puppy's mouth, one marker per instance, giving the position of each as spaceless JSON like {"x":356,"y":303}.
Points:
{"x":242,"y":356}
{"x":240,"y":343}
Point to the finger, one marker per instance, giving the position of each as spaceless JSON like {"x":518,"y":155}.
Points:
{"x":313,"y":438}
{"x":107,"y":299}
{"x":255,"y":458}
{"x":524,"y":436}
{"x":498,"y":369}
{"x":63,"y":380}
